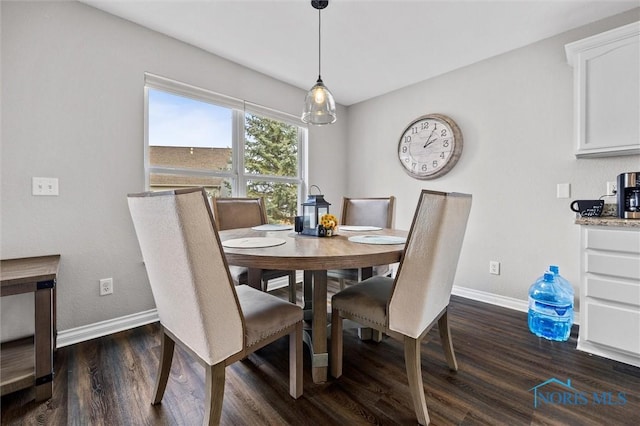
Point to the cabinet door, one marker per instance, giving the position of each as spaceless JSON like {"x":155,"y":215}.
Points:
{"x":607,"y":92}
{"x":613,"y":326}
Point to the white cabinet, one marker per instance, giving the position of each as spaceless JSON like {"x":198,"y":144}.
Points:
{"x":610,"y":293}
{"x":607,"y":92}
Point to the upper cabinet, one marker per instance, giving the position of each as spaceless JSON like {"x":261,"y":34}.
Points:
{"x":607,"y":92}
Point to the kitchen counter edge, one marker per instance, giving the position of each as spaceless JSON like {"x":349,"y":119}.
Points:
{"x":608,"y":221}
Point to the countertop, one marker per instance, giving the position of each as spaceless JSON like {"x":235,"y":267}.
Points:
{"x":608,"y":221}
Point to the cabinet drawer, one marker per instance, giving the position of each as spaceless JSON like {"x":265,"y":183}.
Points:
{"x":613,"y":290}
{"x":613,"y":240}
{"x":613,"y":326}
{"x":617,"y":266}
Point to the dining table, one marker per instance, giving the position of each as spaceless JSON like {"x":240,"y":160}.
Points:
{"x":280,"y":248}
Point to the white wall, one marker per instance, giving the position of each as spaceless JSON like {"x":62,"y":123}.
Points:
{"x":72,"y":108}
{"x":515,"y":112}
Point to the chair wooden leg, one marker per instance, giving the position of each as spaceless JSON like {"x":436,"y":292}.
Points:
{"x":214,"y":393}
{"x":295,"y":362}
{"x":292,"y":287}
{"x":166,"y":356}
{"x":447,"y":343}
{"x":336,"y":343}
{"x":343,"y":283}
{"x":414,"y":374}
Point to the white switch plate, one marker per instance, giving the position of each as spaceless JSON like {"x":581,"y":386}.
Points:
{"x":563,"y":190}
{"x":44,"y":186}
{"x":494,"y":267}
{"x":106,"y":286}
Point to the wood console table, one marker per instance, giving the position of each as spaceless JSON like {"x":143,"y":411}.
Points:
{"x":29,"y":362}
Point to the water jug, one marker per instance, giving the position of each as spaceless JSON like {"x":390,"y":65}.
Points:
{"x":550,"y":309}
{"x":566,"y":285}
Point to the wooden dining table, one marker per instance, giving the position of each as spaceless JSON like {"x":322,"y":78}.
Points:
{"x":314,"y":256}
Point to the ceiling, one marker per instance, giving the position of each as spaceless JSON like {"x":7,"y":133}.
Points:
{"x":368,"y":47}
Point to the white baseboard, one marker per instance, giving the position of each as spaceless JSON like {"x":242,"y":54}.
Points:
{"x":494,"y":299}
{"x":104,"y":328}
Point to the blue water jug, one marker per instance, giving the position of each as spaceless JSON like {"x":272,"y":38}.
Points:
{"x":550,"y":309}
{"x":564,"y":283}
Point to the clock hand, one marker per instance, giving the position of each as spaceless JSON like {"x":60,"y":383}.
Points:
{"x":427,"y":143}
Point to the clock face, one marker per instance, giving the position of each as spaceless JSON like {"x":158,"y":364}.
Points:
{"x":430,"y":146}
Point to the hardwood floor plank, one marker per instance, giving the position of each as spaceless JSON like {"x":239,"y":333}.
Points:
{"x":110,"y":381}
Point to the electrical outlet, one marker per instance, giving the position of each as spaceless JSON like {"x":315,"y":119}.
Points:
{"x":494,"y":267}
{"x":106,"y":286}
{"x":612,"y":188}
{"x":44,"y":186}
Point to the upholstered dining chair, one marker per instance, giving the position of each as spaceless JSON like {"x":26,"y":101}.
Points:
{"x":237,"y":212}
{"x":198,"y":305}
{"x":405,"y":308}
{"x":364,"y":212}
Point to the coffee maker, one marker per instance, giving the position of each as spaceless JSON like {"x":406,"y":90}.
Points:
{"x":629,"y":195}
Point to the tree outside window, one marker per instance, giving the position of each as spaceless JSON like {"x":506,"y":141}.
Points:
{"x":271,"y":149}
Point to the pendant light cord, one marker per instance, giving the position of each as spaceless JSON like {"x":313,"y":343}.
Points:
{"x":319,"y":41}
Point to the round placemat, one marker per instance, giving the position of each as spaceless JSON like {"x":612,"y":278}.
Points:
{"x":377,"y":239}
{"x":359,"y":228}
{"x":272,"y":227}
{"x":253,"y":242}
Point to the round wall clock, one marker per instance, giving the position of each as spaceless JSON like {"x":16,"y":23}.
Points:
{"x":430,"y":146}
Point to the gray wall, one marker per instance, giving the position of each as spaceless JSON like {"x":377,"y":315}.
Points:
{"x":72,"y":108}
{"x":516,"y":114}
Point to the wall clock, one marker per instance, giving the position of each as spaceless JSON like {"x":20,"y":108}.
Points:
{"x":430,"y":146}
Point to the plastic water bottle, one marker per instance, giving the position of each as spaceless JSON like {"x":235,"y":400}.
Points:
{"x":566,"y":285}
{"x":550,"y":309}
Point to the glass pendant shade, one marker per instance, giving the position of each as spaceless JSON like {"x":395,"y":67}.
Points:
{"x":319,"y":106}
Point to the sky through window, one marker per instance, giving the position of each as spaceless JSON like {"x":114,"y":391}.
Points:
{"x":184,"y":122}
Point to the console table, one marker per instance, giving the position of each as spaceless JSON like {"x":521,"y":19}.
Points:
{"x":29,"y":362}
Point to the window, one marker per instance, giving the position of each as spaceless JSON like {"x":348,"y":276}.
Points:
{"x":232,"y":148}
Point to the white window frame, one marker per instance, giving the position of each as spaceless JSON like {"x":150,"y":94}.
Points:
{"x":236,"y":175}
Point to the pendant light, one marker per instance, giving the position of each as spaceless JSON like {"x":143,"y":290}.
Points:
{"x":319,"y":106}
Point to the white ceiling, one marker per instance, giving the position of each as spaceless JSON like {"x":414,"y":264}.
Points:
{"x":368,"y":47}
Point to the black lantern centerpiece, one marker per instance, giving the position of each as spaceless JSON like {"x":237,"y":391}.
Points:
{"x":312,"y":211}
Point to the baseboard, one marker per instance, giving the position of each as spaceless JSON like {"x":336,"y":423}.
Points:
{"x":104,"y":328}
{"x":494,"y":299}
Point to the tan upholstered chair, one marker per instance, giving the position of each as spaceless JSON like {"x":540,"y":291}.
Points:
{"x":232,"y":213}
{"x":405,"y":308}
{"x":198,"y":305}
{"x":365,"y":212}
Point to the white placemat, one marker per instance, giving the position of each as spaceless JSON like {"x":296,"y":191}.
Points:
{"x":377,"y":239}
{"x":359,"y":228}
{"x":253,"y":242}
{"x":272,"y":227}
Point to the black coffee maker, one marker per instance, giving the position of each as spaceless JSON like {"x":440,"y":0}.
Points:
{"x":629,"y":195}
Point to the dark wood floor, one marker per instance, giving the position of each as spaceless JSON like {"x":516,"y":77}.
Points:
{"x":109,"y":381}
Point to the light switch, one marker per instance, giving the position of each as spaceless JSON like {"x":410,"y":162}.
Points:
{"x":563,"y":190}
{"x":44,"y":186}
